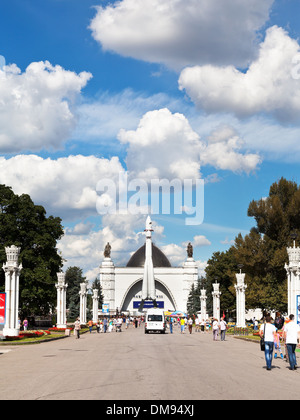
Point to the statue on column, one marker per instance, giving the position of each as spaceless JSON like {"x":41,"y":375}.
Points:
{"x":107,"y":250}
{"x":189,"y":250}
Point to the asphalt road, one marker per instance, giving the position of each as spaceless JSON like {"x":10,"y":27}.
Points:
{"x":132,"y":365}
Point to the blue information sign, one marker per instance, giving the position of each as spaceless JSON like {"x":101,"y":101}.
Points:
{"x":105,"y":308}
{"x":148,"y":304}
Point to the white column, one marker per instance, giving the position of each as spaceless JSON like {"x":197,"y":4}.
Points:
{"x":240,"y":288}
{"x":61,"y":301}
{"x":95,"y":305}
{"x":82,"y":293}
{"x":12,"y":273}
{"x":203,"y":298}
{"x":189,"y":277}
{"x":293,"y":279}
{"x":216,"y":301}
{"x":107,"y":280}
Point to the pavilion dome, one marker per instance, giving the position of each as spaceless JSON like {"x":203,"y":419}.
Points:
{"x":158,"y":257}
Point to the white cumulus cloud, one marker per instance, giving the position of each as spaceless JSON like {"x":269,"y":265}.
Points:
{"x":268,"y":86}
{"x":65,"y":187}
{"x":164,"y":145}
{"x":36,"y":106}
{"x":181,"y":32}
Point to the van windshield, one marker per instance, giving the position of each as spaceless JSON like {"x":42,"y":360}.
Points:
{"x":155,"y":318}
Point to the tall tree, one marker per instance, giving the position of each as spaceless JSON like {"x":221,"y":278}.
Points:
{"x":24,"y":224}
{"x":193,"y":302}
{"x":73,"y":278}
{"x":263,"y":251}
{"x":221,"y":267}
{"x":97,"y":285}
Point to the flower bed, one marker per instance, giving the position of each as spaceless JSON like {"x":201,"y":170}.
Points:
{"x":28,"y":334}
{"x":55,"y":329}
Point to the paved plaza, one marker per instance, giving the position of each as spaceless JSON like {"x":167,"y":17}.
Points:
{"x":132,"y":365}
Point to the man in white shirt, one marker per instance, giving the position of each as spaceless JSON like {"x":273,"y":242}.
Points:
{"x":267,"y":330}
{"x":223,"y":327}
{"x":291,"y":335}
{"x":215,"y":329}
{"x":190,"y":324}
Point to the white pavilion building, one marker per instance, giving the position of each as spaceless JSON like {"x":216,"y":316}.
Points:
{"x":122,"y":286}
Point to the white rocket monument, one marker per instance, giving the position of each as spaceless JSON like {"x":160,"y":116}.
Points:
{"x":148,"y":288}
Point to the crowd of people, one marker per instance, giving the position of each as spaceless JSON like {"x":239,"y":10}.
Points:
{"x":281,"y":335}
{"x":188,"y":323}
{"x":108,"y":324}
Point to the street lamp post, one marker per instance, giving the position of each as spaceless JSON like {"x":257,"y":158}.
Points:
{"x":240,"y":288}
{"x":293,"y":277}
{"x":216,"y":300}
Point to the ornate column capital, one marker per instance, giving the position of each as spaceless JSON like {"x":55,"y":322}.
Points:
{"x":61,"y":281}
{"x":83,"y":289}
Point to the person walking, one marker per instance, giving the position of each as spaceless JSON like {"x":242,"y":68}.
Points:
{"x":268,"y":330}
{"x":202,"y":326}
{"x":215,"y":329}
{"x":105,"y":324}
{"x":110,"y":325}
{"x":119,"y":324}
{"x":182,"y":325}
{"x":90,"y":324}
{"x":291,"y":335}
{"x":25,"y":324}
{"x":77,"y":328}
{"x":190,"y":325}
{"x":223,"y":327}
{"x":171,"y":325}
{"x":98,"y":326}
{"x":277,"y":345}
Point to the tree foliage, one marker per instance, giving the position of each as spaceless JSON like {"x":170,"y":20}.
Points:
{"x":221,"y":268}
{"x":193,"y":302}
{"x":24,"y":224}
{"x":263,"y":251}
{"x":95,"y":285}
{"x":73,"y":278}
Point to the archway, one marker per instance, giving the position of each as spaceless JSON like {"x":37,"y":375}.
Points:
{"x":133,"y":295}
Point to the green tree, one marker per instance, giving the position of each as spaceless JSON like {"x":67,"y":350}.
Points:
{"x":263,"y":251}
{"x":193,"y":302}
{"x":221,"y":268}
{"x":24,"y":224}
{"x":73,"y":278}
{"x":97,"y":285}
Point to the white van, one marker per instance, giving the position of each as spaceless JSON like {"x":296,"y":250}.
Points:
{"x":155,"y":320}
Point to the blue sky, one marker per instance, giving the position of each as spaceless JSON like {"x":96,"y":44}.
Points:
{"x":159,"y":88}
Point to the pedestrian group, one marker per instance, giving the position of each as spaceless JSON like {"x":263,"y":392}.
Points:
{"x":288,"y":332}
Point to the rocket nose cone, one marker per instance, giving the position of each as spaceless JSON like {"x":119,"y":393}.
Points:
{"x":148,"y":223}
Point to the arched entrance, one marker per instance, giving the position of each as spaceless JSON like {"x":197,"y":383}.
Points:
{"x":133,"y":296}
